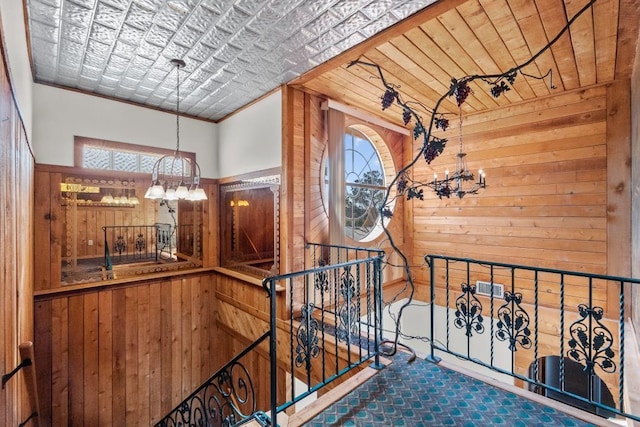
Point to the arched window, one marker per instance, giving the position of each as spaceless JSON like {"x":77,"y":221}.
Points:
{"x":368,"y":169}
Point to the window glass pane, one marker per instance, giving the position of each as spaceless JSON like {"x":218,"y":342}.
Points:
{"x":364,"y":185}
{"x":176,"y":166}
{"x":147,"y":161}
{"x":96,"y":158}
{"x":125,"y":161}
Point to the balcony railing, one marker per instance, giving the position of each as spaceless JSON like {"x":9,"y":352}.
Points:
{"x":333,"y":327}
{"x":125,"y":244}
{"x":555,"y":331}
{"x":335,"y":322}
{"x":547,"y":329}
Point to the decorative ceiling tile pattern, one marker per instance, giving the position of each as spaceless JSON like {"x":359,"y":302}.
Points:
{"x":235,"y":50}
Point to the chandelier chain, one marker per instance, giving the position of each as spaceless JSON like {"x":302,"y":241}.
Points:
{"x":460,"y":129}
{"x":177,"y":108}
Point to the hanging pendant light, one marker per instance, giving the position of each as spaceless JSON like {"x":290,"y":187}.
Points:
{"x":176,"y":177}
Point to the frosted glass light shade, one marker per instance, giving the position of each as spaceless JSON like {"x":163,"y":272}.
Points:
{"x":182,"y":191}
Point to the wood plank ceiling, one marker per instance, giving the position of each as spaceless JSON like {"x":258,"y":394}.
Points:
{"x":457,"y":38}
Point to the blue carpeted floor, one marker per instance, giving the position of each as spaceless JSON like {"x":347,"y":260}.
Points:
{"x":425,"y":394}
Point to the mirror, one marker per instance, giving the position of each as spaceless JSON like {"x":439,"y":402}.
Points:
{"x":110,"y":231}
{"x":249,"y":225}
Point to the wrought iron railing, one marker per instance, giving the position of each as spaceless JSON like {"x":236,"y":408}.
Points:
{"x":136,"y":243}
{"x":334,"y":327}
{"x":335,"y":319}
{"x":550,"y":329}
{"x":227,"y":398}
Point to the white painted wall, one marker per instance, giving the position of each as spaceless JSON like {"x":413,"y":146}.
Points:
{"x":60,"y":114}
{"x":415,"y":322}
{"x":248,"y":141}
{"x":251,"y":140}
{"x":15,"y":41}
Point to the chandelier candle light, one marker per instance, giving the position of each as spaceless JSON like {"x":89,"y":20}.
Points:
{"x":176,"y":177}
{"x":462,"y":177}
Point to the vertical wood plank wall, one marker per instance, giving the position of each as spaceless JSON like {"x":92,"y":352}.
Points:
{"x":635,"y":189}
{"x":546,"y":198}
{"x":16,"y":251}
{"x":549,"y":201}
{"x":128,"y":354}
{"x":124,"y":355}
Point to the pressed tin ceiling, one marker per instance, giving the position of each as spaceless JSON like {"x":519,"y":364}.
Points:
{"x":235,"y":50}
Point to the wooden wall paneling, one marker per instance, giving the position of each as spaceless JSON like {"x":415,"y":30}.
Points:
{"x":105,"y":357}
{"x":127,"y":355}
{"x":119,"y":354}
{"x":618,"y":187}
{"x":635,"y":195}
{"x":144,"y":355}
{"x":57,"y":223}
{"x":318,"y":226}
{"x":42,"y":234}
{"x":300,"y":147}
{"x":43,"y":347}
{"x":9,"y":291}
{"x":476,"y":17}
{"x":194,"y":362}
{"x":176,"y":343}
{"x":75,"y":330}
{"x":545,"y":203}
{"x":500,"y":14}
{"x":165,"y":354}
{"x":529,"y":21}
{"x":292,"y":237}
{"x":185,"y":334}
{"x":563,"y":54}
{"x":60,"y":362}
{"x":628,"y":17}
{"x":605,"y":15}
{"x":154,"y":349}
{"x":286,"y":184}
{"x":583,"y":42}
{"x":101,"y":220}
{"x":481,"y":57}
{"x":25,"y":247}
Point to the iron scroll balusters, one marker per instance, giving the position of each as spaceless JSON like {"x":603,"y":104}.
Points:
{"x":226,"y":399}
{"x":141,"y":243}
{"x":307,"y":338}
{"x":591,"y":343}
{"x":514,"y":322}
{"x":347,"y":313}
{"x":469,"y":311}
{"x":121,"y":245}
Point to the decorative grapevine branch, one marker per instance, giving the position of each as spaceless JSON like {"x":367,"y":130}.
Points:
{"x":433,"y":146}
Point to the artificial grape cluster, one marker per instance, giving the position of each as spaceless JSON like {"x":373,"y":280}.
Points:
{"x":443,"y":191}
{"x":511,"y":77}
{"x":402,"y":185}
{"x":390,"y":95}
{"x":434,"y":148}
{"x":418,"y":130}
{"x":461,"y":90}
{"x":499,"y":89}
{"x":406,"y":116}
{"x":415,"y":194}
{"x":430,"y":153}
{"x":442,"y":123}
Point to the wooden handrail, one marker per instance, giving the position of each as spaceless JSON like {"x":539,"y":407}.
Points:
{"x":26,"y":353}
